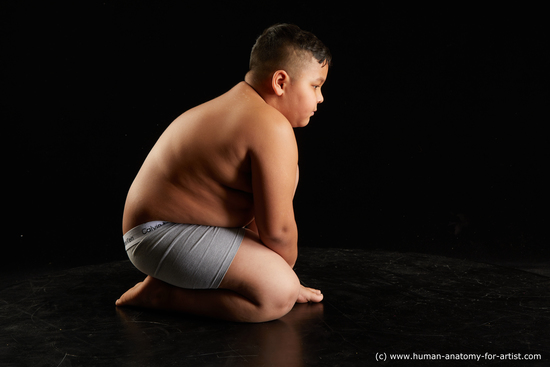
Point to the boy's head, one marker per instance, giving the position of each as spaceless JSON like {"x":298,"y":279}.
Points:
{"x":290,"y":65}
{"x":285,"y":47}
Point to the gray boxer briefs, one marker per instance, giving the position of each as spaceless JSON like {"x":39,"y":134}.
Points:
{"x":185,"y":255}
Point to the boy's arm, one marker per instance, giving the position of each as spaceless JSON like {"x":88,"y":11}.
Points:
{"x":274,"y":160}
{"x":252,"y":225}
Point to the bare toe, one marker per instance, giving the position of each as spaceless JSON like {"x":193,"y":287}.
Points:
{"x":130,"y":296}
{"x":141,"y":295}
{"x":309,"y":295}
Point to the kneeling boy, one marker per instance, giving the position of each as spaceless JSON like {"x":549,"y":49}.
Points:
{"x":209,"y":217}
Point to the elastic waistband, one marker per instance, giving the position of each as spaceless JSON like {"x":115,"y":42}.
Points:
{"x":132,"y":237}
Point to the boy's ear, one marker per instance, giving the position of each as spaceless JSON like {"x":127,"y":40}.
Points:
{"x":279,"y":81}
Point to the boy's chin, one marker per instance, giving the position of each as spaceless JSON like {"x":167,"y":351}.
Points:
{"x":302,"y":123}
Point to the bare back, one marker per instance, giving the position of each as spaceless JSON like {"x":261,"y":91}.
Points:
{"x":200,"y":169}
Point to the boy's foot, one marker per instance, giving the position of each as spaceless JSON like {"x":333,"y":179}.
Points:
{"x":144,"y":294}
{"x":309,"y":295}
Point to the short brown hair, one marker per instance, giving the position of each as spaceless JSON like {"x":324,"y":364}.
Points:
{"x":282,"y":47}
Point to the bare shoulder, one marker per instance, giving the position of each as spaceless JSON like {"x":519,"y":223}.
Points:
{"x":270,"y":128}
{"x":264,"y":126}
{"x":242,"y":119}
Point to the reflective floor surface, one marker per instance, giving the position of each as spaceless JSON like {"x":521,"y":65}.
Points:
{"x":378,"y":306}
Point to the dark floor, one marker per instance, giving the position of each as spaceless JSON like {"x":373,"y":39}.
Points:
{"x":377,"y":304}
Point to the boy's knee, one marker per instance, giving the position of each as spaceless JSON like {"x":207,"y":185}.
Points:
{"x":280,"y":301}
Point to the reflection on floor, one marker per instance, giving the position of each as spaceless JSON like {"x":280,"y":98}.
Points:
{"x":377,"y":305}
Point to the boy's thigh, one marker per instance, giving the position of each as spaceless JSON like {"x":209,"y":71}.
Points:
{"x":257,"y":271}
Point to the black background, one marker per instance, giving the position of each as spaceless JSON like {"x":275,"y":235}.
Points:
{"x":432,"y":137}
